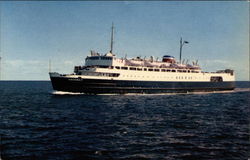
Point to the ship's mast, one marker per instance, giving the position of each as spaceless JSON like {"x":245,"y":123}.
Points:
{"x":112,"y":38}
{"x":180,"y":49}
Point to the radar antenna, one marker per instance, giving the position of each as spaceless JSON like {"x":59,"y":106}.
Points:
{"x":181,"y":45}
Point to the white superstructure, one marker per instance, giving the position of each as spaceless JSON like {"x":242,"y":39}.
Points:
{"x":109,"y":67}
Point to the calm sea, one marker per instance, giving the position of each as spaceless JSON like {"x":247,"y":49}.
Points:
{"x":37,"y":123}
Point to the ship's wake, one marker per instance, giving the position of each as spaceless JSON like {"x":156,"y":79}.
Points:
{"x":66,"y":93}
{"x":210,"y":92}
{"x":236,"y":90}
{"x":242,"y":90}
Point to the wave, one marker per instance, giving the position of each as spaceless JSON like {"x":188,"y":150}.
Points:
{"x":144,"y":94}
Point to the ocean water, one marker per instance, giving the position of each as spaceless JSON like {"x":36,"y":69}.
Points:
{"x":37,"y":123}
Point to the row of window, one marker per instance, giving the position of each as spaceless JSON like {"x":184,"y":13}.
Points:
{"x":138,"y":76}
{"x":102,"y":74}
{"x":177,"y":77}
{"x":117,"y":75}
{"x":154,"y":70}
{"x":147,"y":69}
{"x":98,"y":57}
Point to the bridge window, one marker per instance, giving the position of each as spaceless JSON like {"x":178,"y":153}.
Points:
{"x":106,"y":58}
{"x":92,"y":58}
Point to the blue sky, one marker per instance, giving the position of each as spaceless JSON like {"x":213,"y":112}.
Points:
{"x":65,"y":32}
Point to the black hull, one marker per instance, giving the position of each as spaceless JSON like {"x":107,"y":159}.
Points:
{"x":93,"y":86}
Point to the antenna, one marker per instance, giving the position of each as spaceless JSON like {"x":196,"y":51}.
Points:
{"x":112,"y":38}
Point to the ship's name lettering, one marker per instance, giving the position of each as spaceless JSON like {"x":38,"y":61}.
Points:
{"x":75,"y":79}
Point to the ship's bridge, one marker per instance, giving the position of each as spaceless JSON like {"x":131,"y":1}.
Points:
{"x":99,"y":61}
{"x":103,"y":60}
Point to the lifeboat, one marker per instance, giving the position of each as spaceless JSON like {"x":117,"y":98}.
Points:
{"x":168,"y":59}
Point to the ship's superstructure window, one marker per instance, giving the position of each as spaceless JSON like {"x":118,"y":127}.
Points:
{"x":145,"y":69}
{"x":132,"y":68}
{"x":124,"y":68}
{"x":117,"y":67}
{"x":194,"y":71}
{"x":92,"y":58}
{"x":106,"y":58}
{"x":103,"y":66}
{"x":139,"y":69}
{"x":173,"y":70}
{"x":216,"y":79}
{"x":102,"y":74}
{"x":150,"y":69}
{"x":157,"y":70}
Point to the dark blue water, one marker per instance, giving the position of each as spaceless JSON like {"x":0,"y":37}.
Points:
{"x":36,"y":124}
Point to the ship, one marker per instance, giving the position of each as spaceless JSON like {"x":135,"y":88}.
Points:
{"x":107,"y":74}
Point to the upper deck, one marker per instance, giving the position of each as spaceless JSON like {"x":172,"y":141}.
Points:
{"x":109,"y":60}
